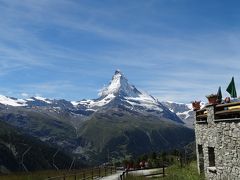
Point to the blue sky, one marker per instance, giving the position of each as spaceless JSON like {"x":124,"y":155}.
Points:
{"x":178,"y":50}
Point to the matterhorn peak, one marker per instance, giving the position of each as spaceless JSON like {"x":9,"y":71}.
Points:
{"x":119,"y":86}
{"x":121,"y":94}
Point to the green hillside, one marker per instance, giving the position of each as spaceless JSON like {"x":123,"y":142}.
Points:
{"x":118,"y":134}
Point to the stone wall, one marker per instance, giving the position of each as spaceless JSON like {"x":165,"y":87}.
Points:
{"x":224,"y":137}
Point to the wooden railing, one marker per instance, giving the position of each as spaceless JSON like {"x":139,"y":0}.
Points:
{"x":222,"y":112}
{"x":86,"y":174}
{"x":228,"y":111}
{"x":201,"y":116}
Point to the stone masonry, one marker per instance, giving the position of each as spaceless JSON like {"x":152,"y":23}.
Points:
{"x":224,"y":138}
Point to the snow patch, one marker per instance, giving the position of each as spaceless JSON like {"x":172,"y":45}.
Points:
{"x":75,"y":103}
{"x":97,"y":103}
{"x":43,"y":99}
{"x":144,"y":100}
{"x":12,"y":102}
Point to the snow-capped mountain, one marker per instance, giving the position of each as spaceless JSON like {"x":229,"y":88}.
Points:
{"x":120,"y":94}
{"x":183,"y":111}
{"x":120,"y":88}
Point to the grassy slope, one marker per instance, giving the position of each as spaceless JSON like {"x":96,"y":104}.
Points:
{"x":189,"y":172}
{"x":175,"y":172}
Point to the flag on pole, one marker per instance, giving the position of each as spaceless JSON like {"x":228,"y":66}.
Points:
{"x":219,"y":94}
{"x":231,"y":89}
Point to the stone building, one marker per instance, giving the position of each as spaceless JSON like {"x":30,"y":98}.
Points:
{"x":217,"y":131}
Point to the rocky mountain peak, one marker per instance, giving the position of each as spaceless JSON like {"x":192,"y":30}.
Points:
{"x":119,"y":86}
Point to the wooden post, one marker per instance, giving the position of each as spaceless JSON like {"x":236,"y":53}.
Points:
{"x":84,"y":175}
{"x":123,"y":174}
{"x":92,"y":173}
{"x":105,"y":168}
{"x":111,"y":169}
{"x":99,"y":172}
{"x":75,"y":176}
{"x":181,"y":160}
{"x":163,"y":170}
{"x":64,"y":177}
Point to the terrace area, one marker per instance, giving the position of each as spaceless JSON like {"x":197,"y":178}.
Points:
{"x":222,"y":112}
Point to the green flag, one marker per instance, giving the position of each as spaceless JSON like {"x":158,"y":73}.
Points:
{"x":231,"y":89}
